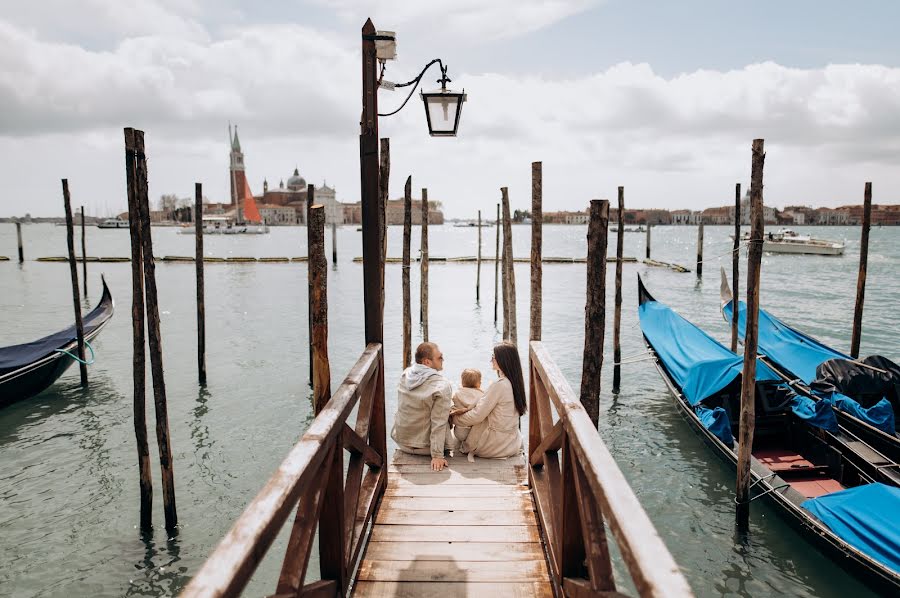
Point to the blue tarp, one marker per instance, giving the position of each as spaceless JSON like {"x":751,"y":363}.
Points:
{"x":801,"y":355}
{"x":697,"y":362}
{"x":866,"y":517}
{"x":716,"y":421}
{"x":815,"y":413}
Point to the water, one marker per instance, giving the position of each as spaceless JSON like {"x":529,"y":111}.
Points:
{"x":68,"y":471}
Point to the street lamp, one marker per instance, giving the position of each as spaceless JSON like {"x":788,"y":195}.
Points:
{"x":443,"y":108}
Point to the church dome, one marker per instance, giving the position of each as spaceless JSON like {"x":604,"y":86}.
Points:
{"x":296,"y":181}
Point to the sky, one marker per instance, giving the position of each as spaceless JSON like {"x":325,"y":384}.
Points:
{"x":663,"y":98}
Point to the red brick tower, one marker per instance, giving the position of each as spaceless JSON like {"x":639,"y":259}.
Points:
{"x":236,"y":169}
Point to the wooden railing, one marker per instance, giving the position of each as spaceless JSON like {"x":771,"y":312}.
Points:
{"x":579,"y":491}
{"x":311,"y":479}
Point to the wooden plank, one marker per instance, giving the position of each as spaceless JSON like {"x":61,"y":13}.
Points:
{"x":517,"y":475}
{"x":401,"y":458}
{"x":458,"y":491}
{"x":505,"y":517}
{"x":447,"y":551}
{"x":379,"y":589}
{"x":428,"y":503}
{"x":453,"y":478}
{"x":441,"y":533}
{"x":436,"y":571}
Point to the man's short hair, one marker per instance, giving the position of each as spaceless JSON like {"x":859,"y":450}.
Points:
{"x":470,"y":378}
{"x":425,"y":351}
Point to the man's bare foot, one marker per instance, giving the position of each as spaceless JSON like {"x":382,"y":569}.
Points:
{"x":438,"y":463}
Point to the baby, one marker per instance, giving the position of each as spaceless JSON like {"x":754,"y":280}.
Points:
{"x":465,"y":398}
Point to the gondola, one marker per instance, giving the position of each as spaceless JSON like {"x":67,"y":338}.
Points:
{"x":865,"y":394}
{"x":30,"y":368}
{"x":805,"y":472}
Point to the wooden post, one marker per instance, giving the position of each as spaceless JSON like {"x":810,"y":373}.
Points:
{"x":19,"y":240}
{"x":537,"y":222}
{"x":497,"y":265}
{"x":138,"y":356}
{"x":617,"y":319}
{"x":735,"y":262}
{"x":700,"y":250}
{"x":84,"y":254}
{"x":748,"y":380}
{"x":407,"y":239}
{"x":318,"y":299}
{"x":510,"y":273}
{"x":334,"y":244}
{"x":595,"y":308}
{"x":310,"y":200}
{"x":478,"y":264}
{"x":384,"y":170}
{"x":423,"y":300}
{"x":73,"y":267}
{"x":861,"y":278}
{"x":155,"y":340}
{"x":198,"y":262}
{"x":648,"y":240}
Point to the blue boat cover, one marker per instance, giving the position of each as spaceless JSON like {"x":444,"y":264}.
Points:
{"x":716,"y":421}
{"x":816,"y":413}
{"x":866,"y":517}
{"x":697,"y":362}
{"x":801,"y":355}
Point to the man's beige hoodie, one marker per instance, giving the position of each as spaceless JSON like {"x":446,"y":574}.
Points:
{"x":423,"y":408}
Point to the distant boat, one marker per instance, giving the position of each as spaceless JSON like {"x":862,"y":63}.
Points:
{"x":30,"y":368}
{"x":787,"y":240}
{"x":223,"y":225}
{"x":628,"y":229}
{"x":112,"y":223}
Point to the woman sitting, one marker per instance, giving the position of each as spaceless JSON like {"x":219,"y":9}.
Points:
{"x":494,"y":419}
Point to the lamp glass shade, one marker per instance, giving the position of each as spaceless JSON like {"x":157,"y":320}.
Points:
{"x":443,"y":108}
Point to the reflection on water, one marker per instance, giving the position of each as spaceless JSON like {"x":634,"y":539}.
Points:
{"x":68,"y":463}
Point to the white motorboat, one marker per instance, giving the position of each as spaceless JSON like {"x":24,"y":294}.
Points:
{"x":113,"y":223}
{"x":222,"y":225}
{"x":787,"y":240}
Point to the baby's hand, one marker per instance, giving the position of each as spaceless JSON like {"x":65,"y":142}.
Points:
{"x":459,"y":410}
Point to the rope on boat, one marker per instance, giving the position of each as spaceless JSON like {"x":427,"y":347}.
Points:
{"x":760,"y":495}
{"x":76,"y":358}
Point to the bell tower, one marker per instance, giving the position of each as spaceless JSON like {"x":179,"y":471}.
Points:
{"x":236,"y":166}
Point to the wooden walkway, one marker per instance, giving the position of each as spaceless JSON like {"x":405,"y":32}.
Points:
{"x":469,"y":530}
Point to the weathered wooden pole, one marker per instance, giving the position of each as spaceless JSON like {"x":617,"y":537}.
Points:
{"x":700,"y":249}
{"x":384,"y":170}
{"x":155,"y":340}
{"x":423,"y":298}
{"x":648,"y":239}
{"x":509,"y":270}
{"x":333,"y":244}
{"x":138,"y":356}
{"x":478,"y":264}
{"x":73,"y":267}
{"x":198,"y":263}
{"x":497,"y":265}
{"x":735,"y":265}
{"x":861,"y":278}
{"x":407,"y":239}
{"x":617,"y":319}
{"x":310,"y":201}
{"x":19,"y":241}
{"x":595,"y":308}
{"x":318,"y":299}
{"x":83,"y":255}
{"x":748,"y":380}
{"x":537,"y":222}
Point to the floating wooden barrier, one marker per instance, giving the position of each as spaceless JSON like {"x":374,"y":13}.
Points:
{"x":3,"y":258}
{"x":108,"y":260}
{"x":301,"y":258}
{"x":468,"y":259}
{"x":241,"y":260}
{"x":675,"y":267}
{"x":178,"y":258}
{"x":214,"y":260}
{"x":274,"y":260}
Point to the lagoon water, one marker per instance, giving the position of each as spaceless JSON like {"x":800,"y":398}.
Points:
{"x":68,"y":467}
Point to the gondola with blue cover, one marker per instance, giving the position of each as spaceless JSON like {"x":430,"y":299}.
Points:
{"x":30,"y":368}
{"x":800,"y":462}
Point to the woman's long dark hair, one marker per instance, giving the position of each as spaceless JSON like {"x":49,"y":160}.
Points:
{"x":507,"y":357}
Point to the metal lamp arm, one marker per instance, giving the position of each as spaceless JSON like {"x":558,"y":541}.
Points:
{"x":415,"y":83}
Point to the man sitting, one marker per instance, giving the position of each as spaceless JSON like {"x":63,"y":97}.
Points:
{"x":423,"y":407}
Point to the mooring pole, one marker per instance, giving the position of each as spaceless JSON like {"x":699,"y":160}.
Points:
{"x":861,"y":279}
{"x":735,"y":263}
{"x":617,"y":318}
{"x":73,"y":267}
{"x":497,"y":267}
{"x":595,"y":308}
{"x":138,"y":355}
{"x":748,"y":380}
{"x":83,"y":254}
{"x":198,"y":262}
{"x":334,"y":244}
{"x":509,"y":270}
{"x":407,"y":240}
{"x":318,"y":299}
{"x":700,"y":250}
{"x":423,"y":298}
{"x":19,"y":240}
{"x":478,"y":264}
{"x":155,"y":340}
{"x":310,"y":200}
{"x":537,"y":221}
{"x":384,"y":169}
{"x":648,"y":239}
